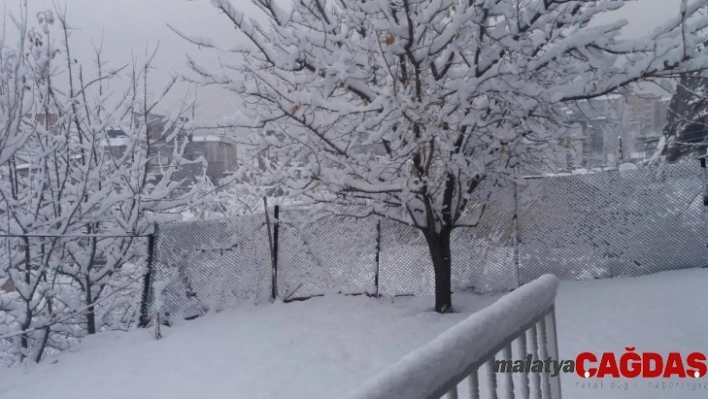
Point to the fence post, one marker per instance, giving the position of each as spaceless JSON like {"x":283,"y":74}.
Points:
{"x":705,"y":195}
{"x":147,"y":281}
{"x":516,"y":234}
{"x":378,"y":251}
{"x":271,"y":248}
{"x":276,"y":228}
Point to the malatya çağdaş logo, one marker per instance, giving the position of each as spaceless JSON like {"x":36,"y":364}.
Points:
{"x":630,"y":364}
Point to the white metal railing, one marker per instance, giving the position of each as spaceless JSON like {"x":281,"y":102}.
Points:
{"x":468,"y":351}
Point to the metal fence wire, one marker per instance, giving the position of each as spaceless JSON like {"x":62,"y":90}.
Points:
{"x":613,"y":224}
{"x":608,"y":224}
{"x":198,"y":266}
{"x":334,"y":253}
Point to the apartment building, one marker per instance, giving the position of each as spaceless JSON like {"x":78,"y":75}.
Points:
{"x":620,"y":128}
{"x":216,"y":148}
{"x":219,"y":151}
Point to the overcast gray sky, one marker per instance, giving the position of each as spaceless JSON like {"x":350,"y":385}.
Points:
{"x":131,"y":26}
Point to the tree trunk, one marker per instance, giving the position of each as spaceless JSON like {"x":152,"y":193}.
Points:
{"x":24,"y":340}
{"x":90,"y":311}
{"x":439,"y":246}
{"x":42,"y":345}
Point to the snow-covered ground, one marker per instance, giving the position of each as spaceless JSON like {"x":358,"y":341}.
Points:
{"x":324,"y":347}
{"x":663,"y":312}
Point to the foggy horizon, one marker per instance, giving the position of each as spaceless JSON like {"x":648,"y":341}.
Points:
{"x":132,"y":28}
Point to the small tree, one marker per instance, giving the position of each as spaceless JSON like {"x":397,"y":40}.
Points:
{"x":132,"y":181}
{"x":410,"y":109}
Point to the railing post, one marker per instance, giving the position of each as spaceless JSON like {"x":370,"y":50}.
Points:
{"x":523,"y":351}
{"x":509,"y":376}
{"x":543,"y":353}
{"x":534,"y":356}
{"x":473,"y":381}
{"x":491,"y":379}
{"x":553,"y":351}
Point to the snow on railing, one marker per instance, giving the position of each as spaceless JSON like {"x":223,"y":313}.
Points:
{"x":478,"y":345}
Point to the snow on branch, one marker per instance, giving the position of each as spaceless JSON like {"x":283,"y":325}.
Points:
{"x":408,"y":104}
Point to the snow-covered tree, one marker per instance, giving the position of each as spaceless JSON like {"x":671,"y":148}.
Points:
{"x":34,"y":180}
{"x":17,"y":95}
{"x":414,"y":109}
{"x":686,"y":130}
{"x":231,"y":201}
{"x":79,"y":197}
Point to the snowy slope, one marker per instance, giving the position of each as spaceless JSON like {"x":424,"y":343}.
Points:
{"x":324,"y":347}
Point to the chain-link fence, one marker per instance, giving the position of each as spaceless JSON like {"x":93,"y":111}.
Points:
{"x":599,"y":225}
{"x":335,"y":253}
{"x":613,"y":224}
{"x":208,"y":264}
{"x":483,"y":257}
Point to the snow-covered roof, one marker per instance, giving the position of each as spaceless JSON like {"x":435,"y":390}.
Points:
{"x":116,"y":142}
{"x":4,"y":170}
{"x":660,"y":88}
{"x":207,"y":138}
{"x":121,"y":129}
{"x":579,"y":171}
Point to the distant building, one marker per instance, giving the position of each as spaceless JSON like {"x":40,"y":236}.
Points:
{"x":618,"y":128}
{"x":648,"y":116}
{"x":598,"y":132}
{"x":219,"y":151}
{"x":49,"y":120}
{"x":117,"y":142}
{"x":163,"y":139}
{"x":648,"y":113}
